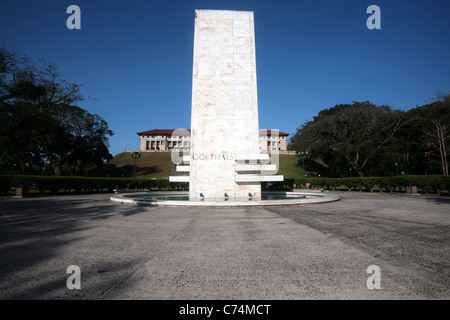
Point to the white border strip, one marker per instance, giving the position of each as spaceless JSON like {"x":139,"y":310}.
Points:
{"x":310,"y":198}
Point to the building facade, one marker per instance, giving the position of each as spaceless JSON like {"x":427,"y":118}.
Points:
{"x":165,"y":140}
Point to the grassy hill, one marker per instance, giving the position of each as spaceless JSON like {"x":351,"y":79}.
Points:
{"x":288,"y":167}
{"x":159,"y":165}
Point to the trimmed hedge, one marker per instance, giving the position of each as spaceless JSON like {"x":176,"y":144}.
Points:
{"x":427,"y":184}
{"x":52,"y":184}
{"x":6,"y":183}
{"x":55,"y":184}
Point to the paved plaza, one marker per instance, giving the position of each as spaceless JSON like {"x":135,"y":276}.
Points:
{"x":311,"y":251}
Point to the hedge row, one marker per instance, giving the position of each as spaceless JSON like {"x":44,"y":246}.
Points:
{"x":54,"y":184}
{"x":427,"y":184}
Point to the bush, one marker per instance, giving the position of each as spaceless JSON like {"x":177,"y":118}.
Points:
{"x":54,"y":185}
{"x":367,"y":184}
{"x":427,"y":184}
{"x":331,"y":183}
{"x":6,"y":183}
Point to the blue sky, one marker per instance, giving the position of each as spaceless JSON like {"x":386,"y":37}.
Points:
{"x":135,"y":57}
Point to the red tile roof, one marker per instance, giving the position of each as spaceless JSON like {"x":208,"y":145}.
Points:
{"x":170,"y":131}
{"x":158,"y":131}
{"x":269,"y":132}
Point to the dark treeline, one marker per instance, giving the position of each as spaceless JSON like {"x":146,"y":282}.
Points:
{"x":42,"y":129}
{"x":362,"y":139}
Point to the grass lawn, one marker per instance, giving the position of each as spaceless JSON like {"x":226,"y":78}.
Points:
{"x":288,"y":167}
{"x":159,"y":165}
{"x":149,"y":165}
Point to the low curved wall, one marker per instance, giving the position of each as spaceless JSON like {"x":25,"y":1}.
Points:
{"x":309,"y":197}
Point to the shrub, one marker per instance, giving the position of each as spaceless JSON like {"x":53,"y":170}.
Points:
{"x":6,"y":183}
{"x":427,"y":184}
{"x":52,"y":184}
{"x":367,"y":184}
{"x":388,"y":183}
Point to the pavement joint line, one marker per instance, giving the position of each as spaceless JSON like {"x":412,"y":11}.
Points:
{"x":149,"y":258}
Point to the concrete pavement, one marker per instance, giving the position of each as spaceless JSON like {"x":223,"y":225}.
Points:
{"x":316,"y":251}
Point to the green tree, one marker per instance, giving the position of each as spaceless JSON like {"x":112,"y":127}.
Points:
{"x":352,"y":134}
{"x":40,"y":122}
{"x":428,"y":133}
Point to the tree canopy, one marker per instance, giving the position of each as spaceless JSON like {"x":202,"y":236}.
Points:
{"x":366,"y":139}
{"x":41,"y":125}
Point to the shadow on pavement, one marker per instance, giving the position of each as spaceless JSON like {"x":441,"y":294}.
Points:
{"x":36,"y":232}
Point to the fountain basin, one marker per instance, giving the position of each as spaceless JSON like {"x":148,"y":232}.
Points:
{"x":181,"y":199}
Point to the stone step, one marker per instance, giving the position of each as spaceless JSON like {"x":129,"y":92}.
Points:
{"x":244,"y":157}
{"x":250,"y":178}
{"x":256,"y":167}
{"x":179,"y":179}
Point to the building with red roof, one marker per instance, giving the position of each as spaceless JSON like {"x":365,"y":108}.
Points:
{"x":179,"y":139}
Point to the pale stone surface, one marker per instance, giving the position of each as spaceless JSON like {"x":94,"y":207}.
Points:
{"x":296,"y":252}
{"x":224,"y":119}
{"x":183,"y":168}
{"x":225,"y":136}
{"x":257,"y":178}
{"x":255,"y":167}
{"x":179,"y":179}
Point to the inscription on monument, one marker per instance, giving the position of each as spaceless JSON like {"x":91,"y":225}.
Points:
{"x":207,"y":156}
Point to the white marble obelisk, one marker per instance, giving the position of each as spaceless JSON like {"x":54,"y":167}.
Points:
{"x":224,"y":151}
{"x":224,"y":119}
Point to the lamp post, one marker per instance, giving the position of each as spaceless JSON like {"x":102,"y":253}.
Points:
{"x":175,"y":164}
{"x":351,"y":175}
{"x":396,"y":169}
{"x":303,"y":154}
{"x":135,"y":155}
